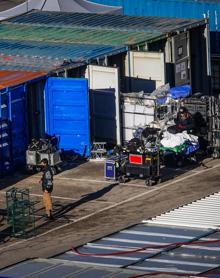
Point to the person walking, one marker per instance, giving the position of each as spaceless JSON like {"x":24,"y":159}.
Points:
{"x":47,"y":187}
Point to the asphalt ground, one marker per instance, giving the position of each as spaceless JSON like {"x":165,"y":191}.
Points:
{"x":87,"y":207}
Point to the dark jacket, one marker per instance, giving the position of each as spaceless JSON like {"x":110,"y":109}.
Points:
{"x":185,"y":124}
{"x":47,"y":179}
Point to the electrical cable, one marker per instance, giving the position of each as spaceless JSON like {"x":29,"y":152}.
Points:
{"x":177,"y":244}
{"x":173,"y":245}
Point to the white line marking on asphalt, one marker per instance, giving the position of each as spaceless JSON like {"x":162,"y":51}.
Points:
{"x":112,"y":181}
{"x":71,"y":199}
{"x":95,"y":181}
{"x":65,"y":198}
{"x":112,"y":206}
{"x":75,"y":179}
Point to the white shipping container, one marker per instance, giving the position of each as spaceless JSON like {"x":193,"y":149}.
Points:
{"x":148,"y":66}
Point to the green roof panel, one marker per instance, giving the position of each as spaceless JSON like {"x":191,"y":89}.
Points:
{"x":73,"y":35}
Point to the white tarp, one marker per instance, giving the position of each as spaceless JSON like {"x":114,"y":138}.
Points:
{"x":78,"y":6}
{"x":173,"y":140}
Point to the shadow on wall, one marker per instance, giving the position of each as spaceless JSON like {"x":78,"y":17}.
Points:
{"x":139,"y":84}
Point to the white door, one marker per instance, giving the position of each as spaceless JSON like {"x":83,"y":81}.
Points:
{"x":146,"y":70}
{"x":105,"y":103}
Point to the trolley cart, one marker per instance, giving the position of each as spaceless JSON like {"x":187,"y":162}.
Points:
{"x":115,"y":168}
{"x":43,"y":148}
{"x":33,"y":159}
{"x":145,"y":166}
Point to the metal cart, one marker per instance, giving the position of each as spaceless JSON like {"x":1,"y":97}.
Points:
{"x":145,"y":166}
{"x":40,"y":149}
{"x":33,"y":159}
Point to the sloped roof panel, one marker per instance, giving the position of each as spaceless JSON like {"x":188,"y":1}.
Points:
{"x":46,"y":268}
{"x":43,"y":56}
{"x":106,"y":21}
{"x":153,"y":249}
{"x":12,"y":78}
{"x":73,"y":35}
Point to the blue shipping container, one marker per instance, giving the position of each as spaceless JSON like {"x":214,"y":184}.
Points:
{"x":13,"y":127}
{"x":67,"y":113}
{"x":171,"y":8}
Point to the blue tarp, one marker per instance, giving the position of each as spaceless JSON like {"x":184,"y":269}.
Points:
{"x":192,"y":148}
{"x":180,"y":91}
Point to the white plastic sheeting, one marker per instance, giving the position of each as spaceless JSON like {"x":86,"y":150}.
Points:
{"x":172,"y":140}
{"x":80,"y":6}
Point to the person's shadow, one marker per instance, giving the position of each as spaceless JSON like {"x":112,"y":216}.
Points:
{"x":85,"y":198}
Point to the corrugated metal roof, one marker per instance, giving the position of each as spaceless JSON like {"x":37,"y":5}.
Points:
{"x":153,"y":248}
{"x":106,"y":21}
{"x":157,"y":246}
{"x":45,"y":268}
{"x":43,"y":56}
{"x":145,"y":248}
{"x":73,"y":35}
{"x":41,"y":41}
{"x":12,"y":78}
{"x":201,"y":213}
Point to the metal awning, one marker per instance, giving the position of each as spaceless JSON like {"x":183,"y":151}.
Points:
{"x":107,"y":21}
{"x":73,"y":35}
{"x":13,"y":78}
{"x":47,"y":41}
{"x":43,"y":56}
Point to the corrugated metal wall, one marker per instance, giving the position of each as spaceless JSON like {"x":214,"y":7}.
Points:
{"x":13,"y":123}
{"x":171,"y":8}
{"x":67,"y":113}
{"x":14,"y":117}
